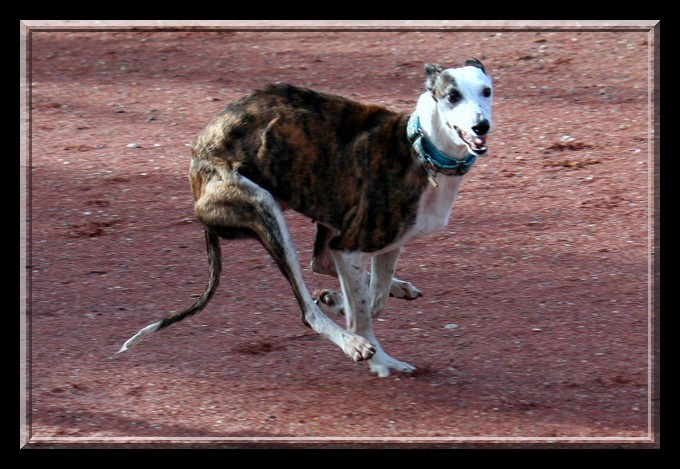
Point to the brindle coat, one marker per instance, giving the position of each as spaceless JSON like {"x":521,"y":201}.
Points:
{"x":346,"y":165}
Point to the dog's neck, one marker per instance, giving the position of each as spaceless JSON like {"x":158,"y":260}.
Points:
{"x":436,"y":130}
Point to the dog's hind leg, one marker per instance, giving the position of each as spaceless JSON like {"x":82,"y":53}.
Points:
{"x":404,"y":289}
{"x":329,"y":301}
{"x":351,"y":268}
{"x":322,"y":261}
{"x":232,"y":205}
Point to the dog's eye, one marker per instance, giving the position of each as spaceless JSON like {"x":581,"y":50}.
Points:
{"x":454,"y":96}
{"x":487,"y":92}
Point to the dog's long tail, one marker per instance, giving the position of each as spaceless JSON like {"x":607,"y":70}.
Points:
{"x":215,"y":259}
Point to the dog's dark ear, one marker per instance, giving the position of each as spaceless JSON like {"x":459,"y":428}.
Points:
{"x":432,"y":71}
{"x":475,"y":63}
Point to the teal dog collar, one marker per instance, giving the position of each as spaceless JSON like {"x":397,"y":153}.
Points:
{"x":433,"y":156}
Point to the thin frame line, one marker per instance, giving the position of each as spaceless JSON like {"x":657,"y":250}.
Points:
{"x":26,"y":352}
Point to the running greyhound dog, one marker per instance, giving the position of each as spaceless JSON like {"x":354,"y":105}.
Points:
{"x":372,"y":180}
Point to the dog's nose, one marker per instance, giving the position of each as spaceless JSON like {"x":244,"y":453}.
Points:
{"x":482,"y":128}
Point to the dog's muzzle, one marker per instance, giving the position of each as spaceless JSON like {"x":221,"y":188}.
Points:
{"x":476,"y":143}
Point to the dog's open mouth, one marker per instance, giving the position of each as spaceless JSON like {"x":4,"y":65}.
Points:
{"x":475,"y":143}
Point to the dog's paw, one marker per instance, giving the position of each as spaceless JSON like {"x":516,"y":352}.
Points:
{"x":330,"y":302}
{"x":358,"y":348}
{"x":405,"y":290}
{"x":383,"y":365}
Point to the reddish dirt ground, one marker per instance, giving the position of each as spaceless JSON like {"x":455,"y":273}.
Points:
{"x":537,"y":312}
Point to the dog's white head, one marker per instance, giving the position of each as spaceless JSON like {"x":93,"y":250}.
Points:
{"x":464,"y":98}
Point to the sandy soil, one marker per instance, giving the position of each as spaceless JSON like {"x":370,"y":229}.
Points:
{"x":537,"y":311}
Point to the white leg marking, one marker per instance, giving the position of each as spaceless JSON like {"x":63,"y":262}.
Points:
{"x":355,"y":346}
{"x":352,"y":274}
{"x":382,"y":275}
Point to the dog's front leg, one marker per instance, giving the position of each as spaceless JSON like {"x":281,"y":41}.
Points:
{"x":351,"y":268}
{"x":322,"y":263}
{"x":382,"y":279}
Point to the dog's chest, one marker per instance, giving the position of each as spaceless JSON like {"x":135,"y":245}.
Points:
{"x":435,"y":207}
